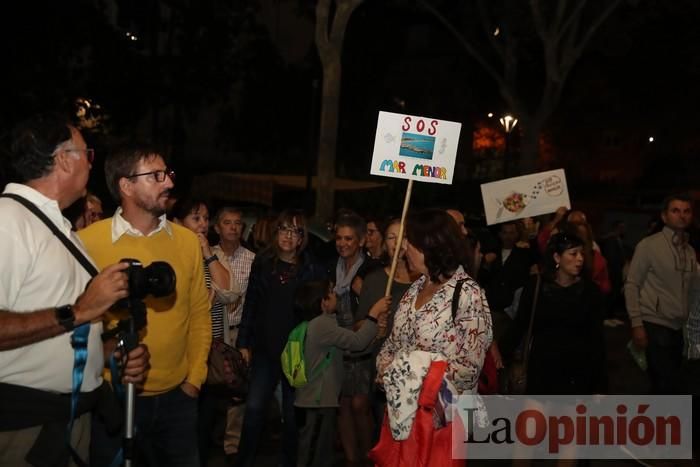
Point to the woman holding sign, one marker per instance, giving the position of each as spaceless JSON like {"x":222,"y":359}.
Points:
{"x":428,"y":327}
{"x":373,"y":289}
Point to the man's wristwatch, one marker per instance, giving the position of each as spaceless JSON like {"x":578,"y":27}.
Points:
{"x":210,"y":260}
{"x":66,"y":317}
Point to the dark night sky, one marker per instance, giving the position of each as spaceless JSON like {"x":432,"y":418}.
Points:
{"x":222,"y":92}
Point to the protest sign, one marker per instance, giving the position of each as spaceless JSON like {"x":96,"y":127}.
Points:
{"x":525,"y":196}
{"x":415,"y":148}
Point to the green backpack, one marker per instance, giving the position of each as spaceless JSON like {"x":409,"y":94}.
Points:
{"x":293,"y":361}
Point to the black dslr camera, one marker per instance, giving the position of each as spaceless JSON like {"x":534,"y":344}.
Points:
{"x":157,"y":279}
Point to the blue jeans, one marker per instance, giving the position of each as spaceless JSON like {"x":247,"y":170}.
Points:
{"x":266,"y":372}
{"x":165,"y":433}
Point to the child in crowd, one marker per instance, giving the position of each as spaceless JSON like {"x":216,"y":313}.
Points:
{"x":316,"y":302}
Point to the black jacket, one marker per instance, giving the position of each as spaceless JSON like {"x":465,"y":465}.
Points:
{"x":501,"y":280}
{"x":568,"y":345}
{"x":268,"y":312}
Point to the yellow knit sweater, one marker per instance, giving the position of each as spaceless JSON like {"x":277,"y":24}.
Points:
{"x":178,"y":333}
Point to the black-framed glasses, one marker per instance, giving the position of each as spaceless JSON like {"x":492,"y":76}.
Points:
{"x":290,"y":231}
{"x":159,"y":175}
{"x":89,"y":153}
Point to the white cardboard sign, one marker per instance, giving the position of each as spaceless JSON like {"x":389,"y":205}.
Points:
{"x":525,"y":196}
{"x":415,"y":148}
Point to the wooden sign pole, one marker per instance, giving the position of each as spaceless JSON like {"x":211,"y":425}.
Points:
{"x":399,"y":240}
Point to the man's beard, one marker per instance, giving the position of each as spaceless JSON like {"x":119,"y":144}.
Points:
{"x":154,"y":208}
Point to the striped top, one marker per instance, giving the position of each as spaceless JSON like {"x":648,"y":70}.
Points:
{"x":217,"y":309}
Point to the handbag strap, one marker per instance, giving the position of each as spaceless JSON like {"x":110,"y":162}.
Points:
{"x":528,"y":338}
{"x":455,"y":297}
{"x":87,"y":265}
{"x":227,"y":330}
{"x":431,"y":384}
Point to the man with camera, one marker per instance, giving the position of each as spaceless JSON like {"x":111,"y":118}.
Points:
{"x":47,"y":297}
{"x":178,"y":329}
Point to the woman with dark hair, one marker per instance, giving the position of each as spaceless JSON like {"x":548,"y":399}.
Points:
{"x":594,"y":264}
{"x":567,"y":353}
{"x":567,"y":346}
{"x":223,"y":289}
{"x":375,"y":252}
{"x":375,"y":282}
{"x":374,"y":242}
{"x":268,"y":317}
{"x":194,"y":214}
{"x":424,"y":322}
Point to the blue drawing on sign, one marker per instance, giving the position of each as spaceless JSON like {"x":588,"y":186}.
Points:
{"x":420,"y":146}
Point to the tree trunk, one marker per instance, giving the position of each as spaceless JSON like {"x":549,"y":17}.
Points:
{"x":329,"y":42}
{"x":327,"y":139}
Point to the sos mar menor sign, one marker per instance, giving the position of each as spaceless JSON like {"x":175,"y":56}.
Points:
{"x":415,"y":148}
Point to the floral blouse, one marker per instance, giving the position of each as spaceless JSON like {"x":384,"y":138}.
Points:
{"x":462,"y":342}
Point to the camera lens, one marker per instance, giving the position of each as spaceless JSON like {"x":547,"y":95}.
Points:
{"x":157,"y":279}
{"x":160,"y":278}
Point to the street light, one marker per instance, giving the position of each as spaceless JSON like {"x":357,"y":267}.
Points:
{"x":508,"y":122}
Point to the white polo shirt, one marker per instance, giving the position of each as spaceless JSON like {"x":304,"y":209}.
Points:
{"x":37,"y":272}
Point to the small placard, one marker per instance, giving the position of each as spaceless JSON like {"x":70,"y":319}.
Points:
{"x":525,"y":196}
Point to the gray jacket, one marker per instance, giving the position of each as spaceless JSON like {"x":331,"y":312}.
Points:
{"x":322,"y":335}
{"x":659,"y":280}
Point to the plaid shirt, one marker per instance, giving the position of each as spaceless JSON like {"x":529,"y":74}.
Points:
{"x":238,"y":264}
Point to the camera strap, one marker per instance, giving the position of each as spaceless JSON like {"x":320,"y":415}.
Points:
{"x":79,"y":338}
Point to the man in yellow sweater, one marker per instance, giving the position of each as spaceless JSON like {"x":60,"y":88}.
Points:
{"x":178,"y":332}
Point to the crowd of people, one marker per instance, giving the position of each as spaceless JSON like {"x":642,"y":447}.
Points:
{"x":463,"y":295}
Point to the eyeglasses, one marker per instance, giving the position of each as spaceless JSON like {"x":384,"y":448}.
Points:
{"x":290,"y":231}
{"x":159,"y":175}
{"x":89,"y":153}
